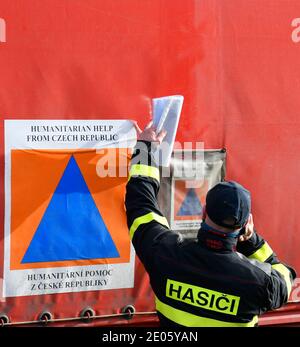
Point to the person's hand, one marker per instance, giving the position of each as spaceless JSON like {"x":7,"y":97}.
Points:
{"x":249,"y":230}
{"x":149,"y":133}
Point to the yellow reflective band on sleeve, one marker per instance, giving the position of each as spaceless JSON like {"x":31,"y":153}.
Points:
{"x":202,"y":297}
{"x":147,"y":218}
{"x":263,"y":253}
{"x":190,"y":320}
{"x":144,"y":170}
{"x":285,"y":272}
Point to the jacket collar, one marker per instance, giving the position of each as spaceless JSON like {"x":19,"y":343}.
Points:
{"x":216,"y":240}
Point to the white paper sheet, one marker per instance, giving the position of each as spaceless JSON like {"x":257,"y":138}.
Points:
{"x":166,"y":113}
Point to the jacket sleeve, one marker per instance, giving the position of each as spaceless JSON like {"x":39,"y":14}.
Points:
{"x":146,"y":223}
{"x":281,"y":277}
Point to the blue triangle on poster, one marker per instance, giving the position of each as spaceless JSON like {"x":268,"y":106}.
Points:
{"x":191,"y":205}
{"x":72,"y":227}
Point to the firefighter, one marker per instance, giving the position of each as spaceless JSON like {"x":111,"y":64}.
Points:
{"x":227,"y":276}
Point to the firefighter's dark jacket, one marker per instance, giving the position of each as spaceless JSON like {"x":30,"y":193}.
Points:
{"x":209,"y":281}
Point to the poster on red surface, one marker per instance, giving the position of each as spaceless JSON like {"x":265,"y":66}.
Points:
{"x":65,"y":222}
{"x":183,"y":192}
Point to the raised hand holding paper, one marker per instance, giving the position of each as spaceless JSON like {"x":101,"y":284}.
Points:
{"x":166,"y":113}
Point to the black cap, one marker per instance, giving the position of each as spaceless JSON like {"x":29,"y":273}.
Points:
{"x":228,"y":204}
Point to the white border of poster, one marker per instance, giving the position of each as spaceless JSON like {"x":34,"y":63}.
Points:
{"x":23,"y":134}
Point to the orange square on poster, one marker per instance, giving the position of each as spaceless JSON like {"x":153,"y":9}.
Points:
{"x":62,"y":213}
{"x":188,"y":199}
